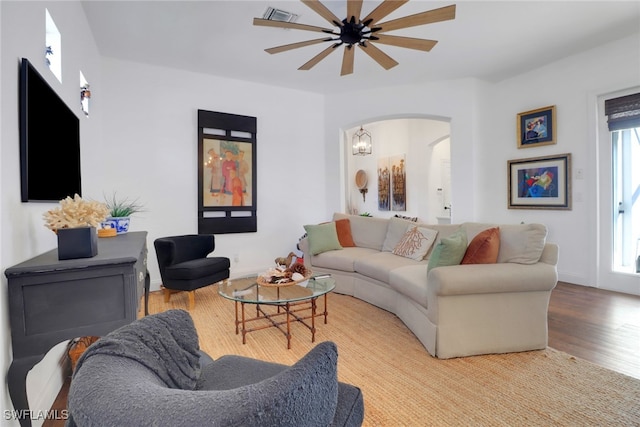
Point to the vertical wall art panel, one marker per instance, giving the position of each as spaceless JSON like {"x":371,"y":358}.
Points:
{"x":384,"y":185}
{"x":227,"y":183}
{"x":398,"y":183}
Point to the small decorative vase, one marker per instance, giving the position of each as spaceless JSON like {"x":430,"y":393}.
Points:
{"x":121,"y":224}
{"x":78,"y":242}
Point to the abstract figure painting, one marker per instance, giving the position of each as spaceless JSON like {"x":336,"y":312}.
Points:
{"x":540,"y":182}
{"x":227,"y":173}
{"x":537,"y":127}
{"x":384,"y":185}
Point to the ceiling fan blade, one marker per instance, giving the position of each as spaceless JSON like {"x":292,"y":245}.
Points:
{"x":383,"y":9}
{"x":428,"y":17}
{"x":286,"y":47}
{"x":319,"y":57}
{"x":347,"y":61}
{"x":354,"y":8}
{"x":281,"y":24}
{"x":322,"y":10}
{"x":379,"y":56}
{"x":408,"y":42}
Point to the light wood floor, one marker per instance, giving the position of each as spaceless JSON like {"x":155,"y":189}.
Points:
{"x":600,"y":326}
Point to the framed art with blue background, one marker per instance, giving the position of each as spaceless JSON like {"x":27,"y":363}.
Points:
{"x":540,"y":182}
{"x":537,"y":127}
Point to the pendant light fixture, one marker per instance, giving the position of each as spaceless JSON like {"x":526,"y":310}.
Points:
{"x":361,"y":143}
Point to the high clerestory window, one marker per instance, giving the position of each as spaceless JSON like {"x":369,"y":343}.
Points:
{"x":53,"y":47}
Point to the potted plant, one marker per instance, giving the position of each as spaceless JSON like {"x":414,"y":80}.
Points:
{"x":120,"y":211}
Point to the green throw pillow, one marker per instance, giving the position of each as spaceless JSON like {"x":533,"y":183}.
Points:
{"x":449,"y":251}
{"x":322,"y":237}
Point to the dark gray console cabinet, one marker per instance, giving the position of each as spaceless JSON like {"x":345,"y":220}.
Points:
{"x":51,"y":301}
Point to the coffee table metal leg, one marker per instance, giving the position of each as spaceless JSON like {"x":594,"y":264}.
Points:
{"x":288,"y":327}
{"x":244,"y":329}
{"x":237,"y":321}
{"x":326,"y":311}
{"x":313,"y":319}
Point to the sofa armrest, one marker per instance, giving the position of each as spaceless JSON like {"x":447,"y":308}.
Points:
{"x":491,"y":278}
{"x":303,"y":245}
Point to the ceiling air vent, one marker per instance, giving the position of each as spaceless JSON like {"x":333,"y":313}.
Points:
{"x":274,"y":14}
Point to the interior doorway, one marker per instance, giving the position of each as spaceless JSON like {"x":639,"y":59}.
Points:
{"x":418,"y":149}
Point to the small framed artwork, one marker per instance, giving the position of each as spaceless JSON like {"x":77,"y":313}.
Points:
{"x":540,"y":182}
{"x":537,"y":127}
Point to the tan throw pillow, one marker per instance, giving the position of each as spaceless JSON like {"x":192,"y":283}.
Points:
{"x":415,"y":243}
{"x":343,"y":227}
{"x":484,"y":248}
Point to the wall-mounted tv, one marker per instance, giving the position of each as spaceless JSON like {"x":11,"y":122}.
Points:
{"x":49,"y":141}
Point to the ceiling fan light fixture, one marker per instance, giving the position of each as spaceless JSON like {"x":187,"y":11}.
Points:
{"x":354,"y":30}
{"x":361,"y":142}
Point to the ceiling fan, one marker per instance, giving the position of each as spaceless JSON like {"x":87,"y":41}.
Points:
{"x":363,"y":32}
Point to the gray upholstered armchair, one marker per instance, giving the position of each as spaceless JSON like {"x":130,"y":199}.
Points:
{"x":152,"y":373}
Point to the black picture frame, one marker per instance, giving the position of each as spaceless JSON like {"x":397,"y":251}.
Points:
{"x":227,"y":173}
{"x":540,"y":182}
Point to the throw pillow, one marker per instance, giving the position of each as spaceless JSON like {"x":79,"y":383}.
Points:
{"x":343,"y":227}
{"x":449,"y":251}
{"x":415,"y":243}
{"x":484,"y":248}
{"x":396,"y":229}
{"x":322,"y":238}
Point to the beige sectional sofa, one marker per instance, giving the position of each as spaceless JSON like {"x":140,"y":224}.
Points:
{"x":455,"y":310}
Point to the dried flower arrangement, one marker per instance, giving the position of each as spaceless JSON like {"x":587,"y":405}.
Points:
{"x":75,"y":212}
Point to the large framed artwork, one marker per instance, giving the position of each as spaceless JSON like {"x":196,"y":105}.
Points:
{"x":227,"y":184}
{"x":227,"y":171}
{"x":537,"y":127}
{"x":540,"y":182}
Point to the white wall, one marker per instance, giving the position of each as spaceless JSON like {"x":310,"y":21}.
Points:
{"x":150,"y":151}
{"x":22,"y":229}
{"x":568,"y":84}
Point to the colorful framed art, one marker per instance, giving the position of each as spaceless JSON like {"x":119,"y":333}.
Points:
{"x":540,"y":182}
{"x":537,"y":127}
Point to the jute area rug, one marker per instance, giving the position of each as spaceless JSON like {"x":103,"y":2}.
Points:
{"x":403,"y":385}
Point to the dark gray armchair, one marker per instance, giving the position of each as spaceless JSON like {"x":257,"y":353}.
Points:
{"x":152,"y":373}
{"x":185,"y":265}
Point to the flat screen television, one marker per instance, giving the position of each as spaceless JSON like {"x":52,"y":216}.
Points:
{"x":49,"y":141}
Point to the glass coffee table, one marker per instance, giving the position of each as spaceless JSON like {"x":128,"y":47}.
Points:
{"x":277,"y":306}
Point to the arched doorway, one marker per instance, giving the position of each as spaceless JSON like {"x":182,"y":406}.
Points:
{"x":421,"y":146}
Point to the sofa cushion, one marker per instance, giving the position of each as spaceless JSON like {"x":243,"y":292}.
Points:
{"x":411,"y":281}
{"x":343,"y":228}
{"x":450,"y":250}
{"x":379,"y":265}
{"x":522,"y":243}
{"x":367,"y":232}
{"x":415,"y":243}
{"x":519,"y":243}
{"x":342,"y":260}
{"x":484,"y":248}
{"x":322,"y":237}
{"x":395,"y":231}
